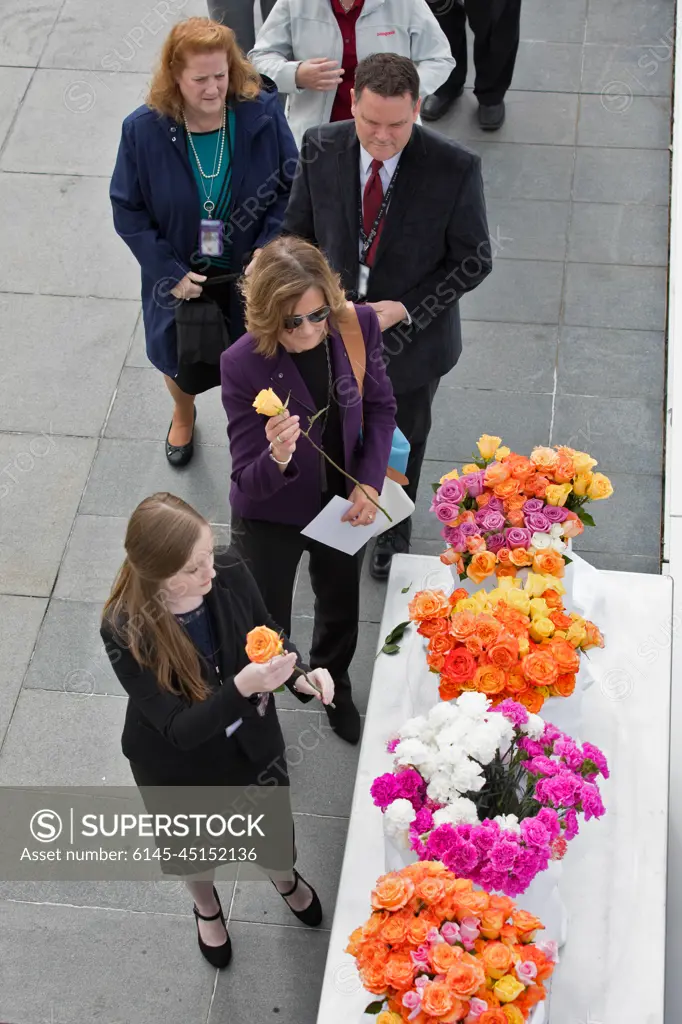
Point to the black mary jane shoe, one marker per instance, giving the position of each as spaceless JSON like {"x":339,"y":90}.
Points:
{"x":180,"y":454}
{"x":217,"y":956}
{"x":312,"y":915}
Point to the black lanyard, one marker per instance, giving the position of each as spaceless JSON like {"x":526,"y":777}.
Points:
{"x":368,"y":240}
{"x":214,"y":652}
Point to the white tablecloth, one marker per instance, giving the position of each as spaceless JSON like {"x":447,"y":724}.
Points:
{"x":614,"y":879}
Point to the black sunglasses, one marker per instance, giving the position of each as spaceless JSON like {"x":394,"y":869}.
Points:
{"x":316,"y":317}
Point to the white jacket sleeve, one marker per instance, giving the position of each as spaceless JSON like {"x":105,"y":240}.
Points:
{"x":273,"y":52}
{"x":429,"y":49}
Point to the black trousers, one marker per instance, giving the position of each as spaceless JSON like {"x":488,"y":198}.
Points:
{"x":238,"y":15}
{"x":272,"y":552}
{"x":496,"y":25}
{"x":414,"y":419}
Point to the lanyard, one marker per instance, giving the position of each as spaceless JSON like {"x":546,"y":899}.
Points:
{"x":368,"y":240}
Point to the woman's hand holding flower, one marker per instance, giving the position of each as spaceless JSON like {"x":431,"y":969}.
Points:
{"x":363,"y":512}
{"x":320,"y":678}
{"x":283,"y":431}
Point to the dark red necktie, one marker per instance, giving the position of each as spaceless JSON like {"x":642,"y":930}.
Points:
{"x":371,"y":205}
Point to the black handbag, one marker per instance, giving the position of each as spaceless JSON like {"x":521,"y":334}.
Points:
{"x":202,"y":334}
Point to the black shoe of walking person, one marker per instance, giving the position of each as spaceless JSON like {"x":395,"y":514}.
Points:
{"x":180,"y":454}
{"x":387,"y":545}
{"x":312,"y":915}
{"x":491,"y":117}
{"x":217,"y":956}
{"x":344,"y":717}
{"x":438,"y":104}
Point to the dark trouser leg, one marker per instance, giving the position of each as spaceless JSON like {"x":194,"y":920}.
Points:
{"x":272,"y":552}
{"x":237,"y":15}
{"x":451,"y":17}
{"x":414,"y":419}
{"x":335,"y":579}
{"x":496,"y":27}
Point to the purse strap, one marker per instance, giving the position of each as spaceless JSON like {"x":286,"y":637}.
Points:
{"x":354,"y":343}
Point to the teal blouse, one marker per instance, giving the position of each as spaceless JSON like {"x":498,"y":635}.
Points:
{"x":218,"y":190}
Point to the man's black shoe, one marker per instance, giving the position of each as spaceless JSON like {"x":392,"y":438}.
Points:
{"x":491,"y":118}
{"x":437,"y":104}
{"x":344,"y":719}
{"x":388,"y":544}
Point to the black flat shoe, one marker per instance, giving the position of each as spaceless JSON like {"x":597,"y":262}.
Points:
{"x":491,"y":118}
{"x":180,"y":454}
{"x":217,"y":956}
{"x":345,"y":720}
{"x":436,"y":105}
{"x":312,"y":915}
{"x":387,"y":545}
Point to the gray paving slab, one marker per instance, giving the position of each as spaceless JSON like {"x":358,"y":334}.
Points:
{"x":537,"y":229}
{"x":623,"y":562}
{"x":69,"y":259}
{"x":158,"y":898}
{"x":514,"y":171}
{"x":67,"y":951}
{"x":622,"y":176}
{"x":625,"y":364}
{"x":505,"y":357}
{"x":631,"y":21}
{"x":627,"y":523}
{"x":93,"y":557}
{"x":25,"y":29}
{"x":624,"y":434}
{"x":361,"y":667}
{"x":13,"y":84}
{"x":598,"y":295}
{"x":523,"y":291}
{"x":275,"y":975}
{"x":42,"y":478}
{"x":137,"y":356}
{"x":626,"y":235}
{"x":64,"y":739}
{"x":124,"y":37}
{"x":71,"y":126}
{"x":462,"y":415}
{"x":553,"y":67}
{"x":66,"y":385}
{"x":320,"y":844}
{"x":552,"y":22}
{"x":629,"y":122}
{"x":20,"y":619}
{"x":321,"y":766}
{"x":125,"y":472}
{"x":636,"y":70}
{"x":547,"y":118}
{"x":142,"y":410}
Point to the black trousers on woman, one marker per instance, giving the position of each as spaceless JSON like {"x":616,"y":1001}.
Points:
{"x":273,"y":551}
{"x":496,"y":28}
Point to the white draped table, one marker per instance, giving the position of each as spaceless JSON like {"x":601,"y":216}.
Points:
{"x":614,"y":876}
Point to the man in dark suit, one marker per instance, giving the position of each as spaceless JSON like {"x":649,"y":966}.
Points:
{"x":399,"y":212}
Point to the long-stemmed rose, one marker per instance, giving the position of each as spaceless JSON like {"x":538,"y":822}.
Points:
{"x":267,"y":403}
{"x":263,"y":644}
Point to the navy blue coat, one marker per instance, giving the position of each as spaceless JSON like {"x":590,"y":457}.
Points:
{"x":157,"y":213}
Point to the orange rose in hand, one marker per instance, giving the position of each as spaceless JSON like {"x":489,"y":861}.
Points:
{"x":263,"y":644}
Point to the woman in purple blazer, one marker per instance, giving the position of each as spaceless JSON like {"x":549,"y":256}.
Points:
{"x":279,"y":481}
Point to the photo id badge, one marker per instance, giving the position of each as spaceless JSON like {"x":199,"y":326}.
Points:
{"x":211,"y":238}
{"x":363,"y":280}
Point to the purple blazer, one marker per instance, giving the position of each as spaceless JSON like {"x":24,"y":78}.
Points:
{"x":259,"y":489}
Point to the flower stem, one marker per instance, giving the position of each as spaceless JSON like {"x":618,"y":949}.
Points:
{"x":339,"y":468}
{"x":299,"y":672}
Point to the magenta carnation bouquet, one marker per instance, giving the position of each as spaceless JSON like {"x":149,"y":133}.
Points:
{"x":523,"y":812}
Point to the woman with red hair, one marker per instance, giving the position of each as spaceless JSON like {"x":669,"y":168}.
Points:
{"x":201,"y":183}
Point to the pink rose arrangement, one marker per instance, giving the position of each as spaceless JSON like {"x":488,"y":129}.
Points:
{"x":497,"y":815}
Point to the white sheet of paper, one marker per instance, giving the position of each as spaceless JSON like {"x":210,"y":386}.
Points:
{"x":327,"y":528}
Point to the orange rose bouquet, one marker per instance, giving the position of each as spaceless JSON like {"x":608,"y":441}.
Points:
{"x":515,"y":641}
{"x":435,"y":950}
{"x":508,"y":511}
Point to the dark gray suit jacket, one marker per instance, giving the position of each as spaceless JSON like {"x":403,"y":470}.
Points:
{"x":434,"y":246}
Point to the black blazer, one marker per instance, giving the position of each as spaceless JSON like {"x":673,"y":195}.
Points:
{"x":434,"y":246}
{"x":176,"y":742}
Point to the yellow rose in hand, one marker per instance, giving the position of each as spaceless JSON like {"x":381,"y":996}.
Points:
{"x":507,"y":989}
{"x":581,"y":484}
{"x":556,"y":494}
{"x":487,"y":445}
{"x":268,"y":404}
{"x":452,"y":475}
{"x":541,"y":629}
{"x":600,"y":487}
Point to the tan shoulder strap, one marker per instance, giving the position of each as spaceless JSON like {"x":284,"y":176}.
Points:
{"x":352,"y":337}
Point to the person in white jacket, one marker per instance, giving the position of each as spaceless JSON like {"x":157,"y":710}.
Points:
{"x":310,"y":49}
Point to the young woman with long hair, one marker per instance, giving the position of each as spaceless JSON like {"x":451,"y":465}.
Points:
{"x":199,"y":713}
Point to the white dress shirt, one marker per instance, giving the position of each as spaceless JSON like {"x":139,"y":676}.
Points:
{"x":385,"y":175}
